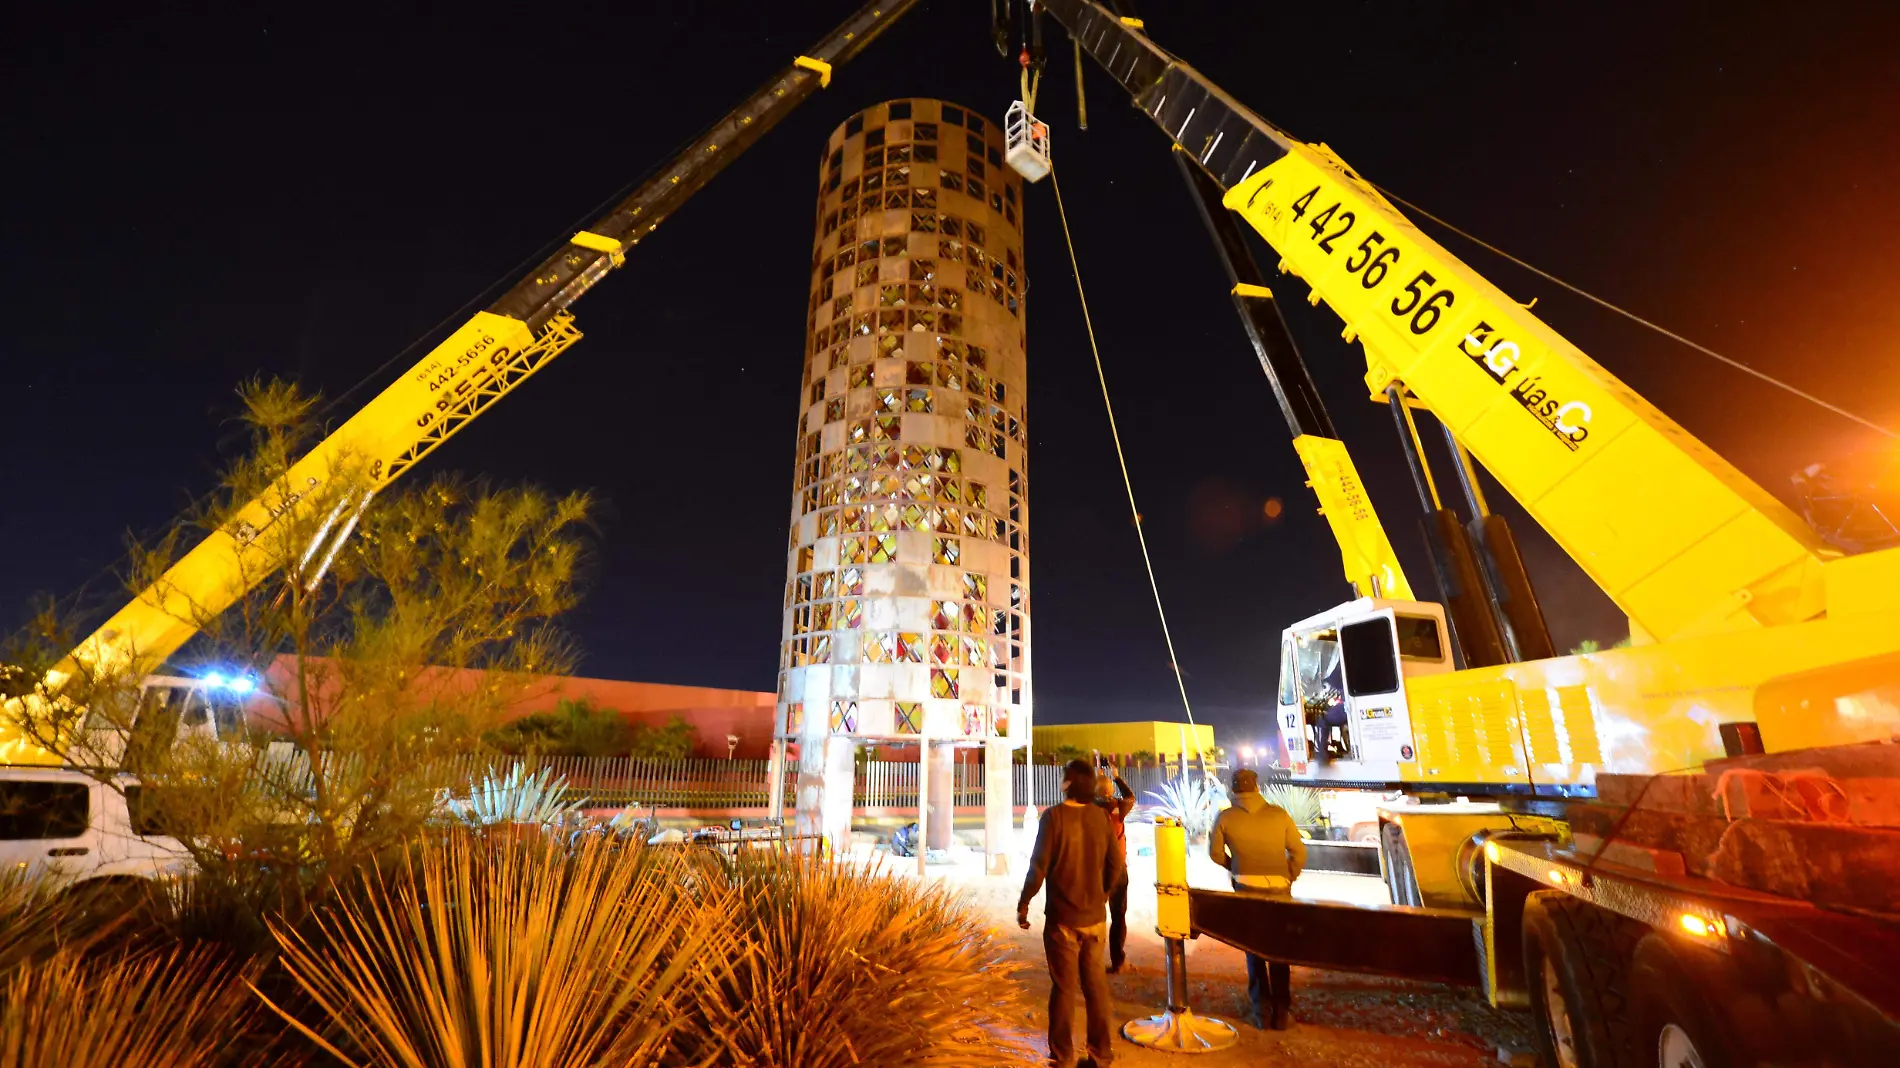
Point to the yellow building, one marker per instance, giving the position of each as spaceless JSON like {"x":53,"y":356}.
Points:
{"x":1163,"y":739}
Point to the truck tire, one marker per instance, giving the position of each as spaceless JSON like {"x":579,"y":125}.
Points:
{"x":1673,"y":1025}
{"x":1576,"y":963}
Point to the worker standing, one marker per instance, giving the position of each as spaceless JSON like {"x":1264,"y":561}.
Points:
{"x":1259,"y":845}
{"x":1118,"y":800}
{"x":1075,"y":855}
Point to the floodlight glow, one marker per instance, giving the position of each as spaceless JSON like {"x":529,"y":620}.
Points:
{"x":241,"y":684}
{"x":214,"y":679}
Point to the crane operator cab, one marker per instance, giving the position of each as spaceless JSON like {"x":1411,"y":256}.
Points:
{"x":1342,"y":706}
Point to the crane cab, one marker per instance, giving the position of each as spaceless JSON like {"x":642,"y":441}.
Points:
{"x":1342,"y":710}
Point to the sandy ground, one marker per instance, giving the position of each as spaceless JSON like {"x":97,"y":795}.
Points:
{"x":1340,"y":1020}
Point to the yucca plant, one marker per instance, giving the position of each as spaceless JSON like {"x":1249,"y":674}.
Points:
{"x":176,"y":1010}
{"x":1195,"y":800}
{"x":505,"y":953}
{"x":843,"y":965}
{"x":520,"y":796}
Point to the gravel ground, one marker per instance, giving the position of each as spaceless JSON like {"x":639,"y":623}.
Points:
{"x":1340,"y":1020}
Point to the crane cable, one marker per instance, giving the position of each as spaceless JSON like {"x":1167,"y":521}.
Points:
{"x":1128,"y":484}
{"x":1639,"y":320}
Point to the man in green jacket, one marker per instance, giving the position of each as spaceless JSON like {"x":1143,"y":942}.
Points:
{"x":1260,"y":847}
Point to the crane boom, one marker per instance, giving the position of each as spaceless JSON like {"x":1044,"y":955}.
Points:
{"x":481,"y":362}
{"x":1692,"y":545}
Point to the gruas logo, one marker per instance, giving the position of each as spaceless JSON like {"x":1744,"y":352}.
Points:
{"x":1567,"y":420}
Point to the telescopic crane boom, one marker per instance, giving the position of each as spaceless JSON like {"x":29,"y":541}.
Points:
{"x":481,"y":362}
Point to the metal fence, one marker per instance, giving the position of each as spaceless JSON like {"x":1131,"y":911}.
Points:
{"x":613,"y":782}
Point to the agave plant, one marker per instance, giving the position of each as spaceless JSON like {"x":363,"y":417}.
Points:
{"x":175,"y":1010}
{"x":520,"y":796}
{"x":507,"y":953}
{"x":1194,"y":800}
{"x":1300,"y":802}
{"x":847,"y":966}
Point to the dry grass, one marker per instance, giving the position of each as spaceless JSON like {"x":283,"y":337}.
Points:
{"x":504,"y":952}
{"x":839,"y":965}
{"x":156,"y":1011}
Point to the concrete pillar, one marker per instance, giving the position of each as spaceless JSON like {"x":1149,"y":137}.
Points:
{"x":775,"y":781}
{"x":999,"y":805}
{"x":942,"y":772}
{"x":923,"y":801}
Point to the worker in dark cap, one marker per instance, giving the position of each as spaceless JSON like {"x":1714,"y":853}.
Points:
{"x":1259,"y":845}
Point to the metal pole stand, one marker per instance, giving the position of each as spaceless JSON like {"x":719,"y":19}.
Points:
{"x":1177,"y":1030}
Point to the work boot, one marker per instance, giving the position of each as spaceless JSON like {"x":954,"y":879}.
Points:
{"x":1282,"y":1016}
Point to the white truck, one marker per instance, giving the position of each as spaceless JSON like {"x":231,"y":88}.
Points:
{"x":77,"y":833}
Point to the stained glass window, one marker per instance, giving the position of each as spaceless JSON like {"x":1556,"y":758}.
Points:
{"x":873,"y":180}
{"x":943,"y":649}
{"x":821,"y":616}
{"x":879,"y":648}
{"x":882,"y":549}
{"x":918,"y":401}
{"x":861,"y":376}
{"x":794,"y":717}
{"x":950,"y":376}
{"x":892,"y":320}
{"x":851,"y":551}
{"x":851,"y":582}
{"x":850,"y":615}
{"x":804,"y":558}
{"x":910,"y":717}
{"x":828,"y":524}
{"x":945,"y":615}
{"x":976,"y":618}
{"x":844,"y":717}
{"x":888,"y":400}
{"x":975,"y":651}
{"x":974,"y":437}
{"x":952,"y":182}
{"x":888,"y":427}
{"x":897,"y":200}
{"x":910,"y":647}
{"x":979,"y":495}
{"x":894,"y":176}
{"x":923,"y":224}
{"x":897,"y":154}
{"x":976,"y":586}
{"x":973,"y":720}
{"x":943,"y":682}
{"x":821,"y":649}
{"x":866,"y":274}
{"x":894,"y":246}
{"x":923,"y":270}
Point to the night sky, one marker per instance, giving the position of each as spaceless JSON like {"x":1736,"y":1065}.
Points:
{"x":304,"y":190}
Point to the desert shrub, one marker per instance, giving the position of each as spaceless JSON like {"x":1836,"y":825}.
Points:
{"x":843,"y":965}
{"x":516,"y":796}
{"x":169,"y":1010}
{"x":1300,"y":802}
{"x":507,"y":953}
{"x":1195,"y":800}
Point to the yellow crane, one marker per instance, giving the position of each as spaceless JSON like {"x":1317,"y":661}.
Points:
{"x":484,"y":359}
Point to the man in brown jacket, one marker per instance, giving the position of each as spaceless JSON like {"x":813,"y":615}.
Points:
{"x":1076,"y":857}
{"x":1260,"y":846}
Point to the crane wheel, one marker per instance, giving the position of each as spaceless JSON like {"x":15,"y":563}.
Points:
{"x":1576,"y":962}
{"x":1671,"y":991}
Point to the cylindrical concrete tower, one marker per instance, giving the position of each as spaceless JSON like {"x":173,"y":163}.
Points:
{"x":907,"y":585}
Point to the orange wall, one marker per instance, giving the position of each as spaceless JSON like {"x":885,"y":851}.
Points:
{"x":716,"y":713}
